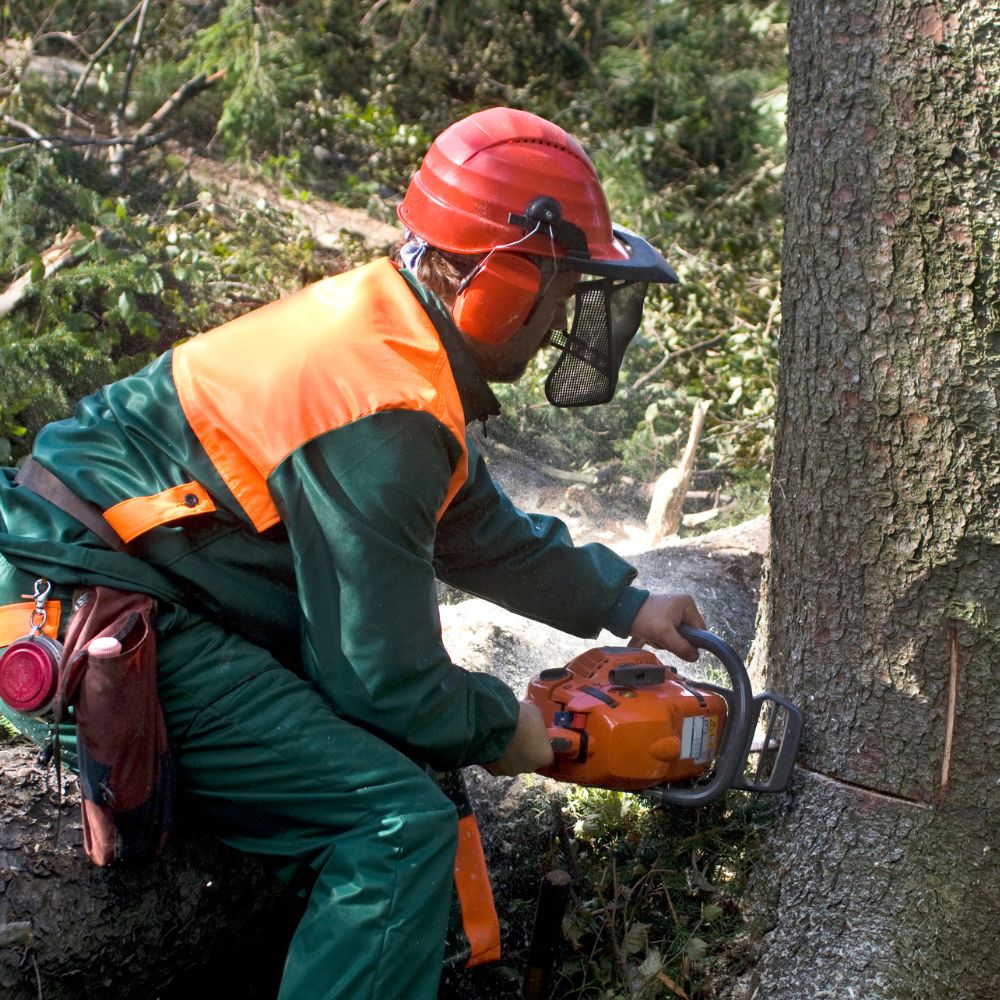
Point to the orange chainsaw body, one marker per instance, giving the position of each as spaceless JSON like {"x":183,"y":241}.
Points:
{"x":619,"y":718}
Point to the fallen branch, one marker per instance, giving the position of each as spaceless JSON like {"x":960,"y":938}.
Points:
{"x":117,"y":158}
{"x":61,"y":254}
{"x":144,"y":136}
{"x":57,"y":141}
{"x":702,"y":516}
{"x":24,"y":127}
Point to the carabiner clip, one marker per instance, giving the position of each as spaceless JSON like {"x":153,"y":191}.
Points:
{"x":39,"y":616}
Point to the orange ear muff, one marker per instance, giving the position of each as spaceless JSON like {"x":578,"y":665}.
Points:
{"x":498,"y":298}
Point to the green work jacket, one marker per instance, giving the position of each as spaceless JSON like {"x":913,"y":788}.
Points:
{"x":250,"y":491}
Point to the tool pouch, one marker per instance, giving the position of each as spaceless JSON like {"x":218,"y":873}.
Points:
{"x":126,"y":772}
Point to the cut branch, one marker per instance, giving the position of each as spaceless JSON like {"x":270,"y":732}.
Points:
{"x":61,"y":254}
{"x":144,"y":137}
{"x":117,"y":159}
{"x":703,"y":516}
{"x":33,"y":135}
{"x":52,"y":141}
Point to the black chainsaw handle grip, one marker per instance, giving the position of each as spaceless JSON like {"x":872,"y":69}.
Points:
{"x":739,"y":698}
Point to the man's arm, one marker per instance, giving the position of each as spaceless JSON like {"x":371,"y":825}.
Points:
{"x":528,"y":563}
{"x":360,"y":506}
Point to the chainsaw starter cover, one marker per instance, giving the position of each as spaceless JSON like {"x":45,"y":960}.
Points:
{"x":619,"y":718}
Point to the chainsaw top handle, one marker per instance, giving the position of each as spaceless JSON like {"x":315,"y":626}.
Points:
{"x":740,"y":718}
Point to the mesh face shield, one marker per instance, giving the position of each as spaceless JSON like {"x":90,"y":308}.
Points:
{"x":606,"y":317}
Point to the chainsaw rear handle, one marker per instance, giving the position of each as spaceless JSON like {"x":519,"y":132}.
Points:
{"x":740,"y":718}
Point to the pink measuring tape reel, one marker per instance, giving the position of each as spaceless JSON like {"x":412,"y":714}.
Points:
{"x":29,"y":667}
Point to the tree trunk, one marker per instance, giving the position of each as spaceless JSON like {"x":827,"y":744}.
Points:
{"x":880,"y":605}
{"x":202,"y":917}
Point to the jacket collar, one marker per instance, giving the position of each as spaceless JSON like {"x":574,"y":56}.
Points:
{"x":478,"y":400}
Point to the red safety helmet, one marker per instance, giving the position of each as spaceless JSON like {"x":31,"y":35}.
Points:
{"x":490,"y":166}
{"x":509,"y":184}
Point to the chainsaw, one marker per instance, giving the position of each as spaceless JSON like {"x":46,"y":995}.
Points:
{"x":619,"y":718}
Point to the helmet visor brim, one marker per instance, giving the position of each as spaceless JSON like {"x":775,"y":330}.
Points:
{"x":644,"y":262}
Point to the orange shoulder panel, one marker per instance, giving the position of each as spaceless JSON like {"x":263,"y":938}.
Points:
{"x":256,"y":389}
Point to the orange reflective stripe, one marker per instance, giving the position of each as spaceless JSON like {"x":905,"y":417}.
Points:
{"x":15,"y":620}
{"x":133,"y":517}
{"x":256,"y":389}
{"x":472,"y":881}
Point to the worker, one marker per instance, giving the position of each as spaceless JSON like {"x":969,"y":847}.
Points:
{"x":290,"y":486}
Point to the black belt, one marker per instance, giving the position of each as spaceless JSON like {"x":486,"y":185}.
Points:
{"x":38,"y":479}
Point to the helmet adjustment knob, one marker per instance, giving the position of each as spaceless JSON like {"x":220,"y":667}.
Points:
{"x":544,"y":209}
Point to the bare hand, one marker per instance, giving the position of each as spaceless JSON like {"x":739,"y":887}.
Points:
{"x":529,"y":749}
{"x":657,"y":622}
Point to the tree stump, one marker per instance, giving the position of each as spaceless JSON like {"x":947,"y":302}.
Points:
{"x":70,"y":930}
{"x":669,"y":490}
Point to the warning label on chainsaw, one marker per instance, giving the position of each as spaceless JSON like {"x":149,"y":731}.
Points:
{"x":698,"y":738}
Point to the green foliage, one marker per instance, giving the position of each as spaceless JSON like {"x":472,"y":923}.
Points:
{"x":682,"y":112}
{"x":267,"y":74}
{"x":657,"y":893}
{"x":358,"y":150}
{"x":8,"y":734}
{"x":143,"y":280}
{"x":35,"y":202}
{"x":680,"y":104}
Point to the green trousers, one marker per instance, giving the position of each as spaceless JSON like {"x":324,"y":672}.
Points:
{"x":266,"y":764}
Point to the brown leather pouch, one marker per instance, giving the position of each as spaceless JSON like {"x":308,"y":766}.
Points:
{"x":126,"y":773}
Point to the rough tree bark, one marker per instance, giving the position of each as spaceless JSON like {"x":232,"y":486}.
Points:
{"x":882,"y":597}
